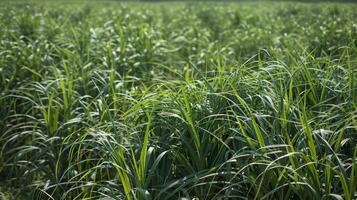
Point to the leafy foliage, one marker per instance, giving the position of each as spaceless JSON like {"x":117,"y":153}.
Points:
{"x":178,"y":101}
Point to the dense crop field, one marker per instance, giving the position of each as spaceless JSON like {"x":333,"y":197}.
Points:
{"x":102,"y":100}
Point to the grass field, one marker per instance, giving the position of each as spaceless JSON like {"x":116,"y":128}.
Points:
{"x":108,"y":100}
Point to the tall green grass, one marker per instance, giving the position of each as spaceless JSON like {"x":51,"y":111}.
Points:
{"x":178,"y":101}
